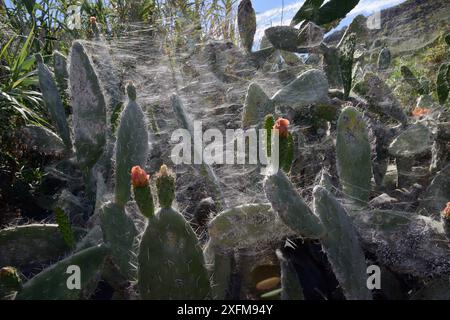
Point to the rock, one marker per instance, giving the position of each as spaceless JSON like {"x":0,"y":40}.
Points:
{"x":437,"y":195}
{"x":414,"y":141}
{"x":383,"y":201}
{"x":311,"y":87}
{"x":380,"y":98}
{"x":283,"y":37}
{"x":42,"y":141}
{"x":256,"y":106}
{"x":247,"y":226}
{"x":311,"y":35}
{"x":313,"y":59}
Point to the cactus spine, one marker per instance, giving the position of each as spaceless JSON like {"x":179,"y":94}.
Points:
{"x":53,"y":101}
{"x":171,"y":262}
{"x":353,"y":154}
{"x":132,"y":146}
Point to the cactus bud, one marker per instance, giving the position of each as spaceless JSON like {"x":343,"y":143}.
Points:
{"x":420,"y":112}
{"x":282,"y":125}
{"x":139,"y":178}
{"x":92,"y":20}
{"x":165,"y":183}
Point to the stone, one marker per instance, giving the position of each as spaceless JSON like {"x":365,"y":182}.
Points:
{"x":283,"y":37}
{"x":311,"y":35}
{"x":383,"y":201}
{"x":414,"y":141}
{"x":310,"y":88}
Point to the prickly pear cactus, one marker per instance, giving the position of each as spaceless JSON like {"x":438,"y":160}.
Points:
{"x":290,"y":283}
{"x":442,"y":85}
{"x":170,"y":259}
{"x":61,"y":71}
{"x":257,"y":104}
{"x":65,"y":227}
{"x":32,"y":244}
{"x":132,"y":146}
{"x":219,"y":266}
{"x":353,"y":152}
{"x":120,"y":233}
{"x":346,"y":51}
{"x":171,"y":263}
{"x":53,"y":101}
{"x":53,"y":282}
{"x":246,"y":24}
{"x":291,"y":208}
{"x":142,"y":192}
{"x":89,"y":109}
{"x":342,"y":246}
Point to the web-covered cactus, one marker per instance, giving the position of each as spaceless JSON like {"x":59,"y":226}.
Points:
{"x":353,"y":152}
{"x":120,"y":233}
{"x":290,"y":283}
{"x":171,"y":262}
{"x":246,"y":24}
{"x":89,"y":109}
{"x":53,"y":101}
{"x":411,"y":80}
{"x":445,"y":215}
{"x":65,"y":227}
{"x":61,"y":71}
{"x":442,"y":85}
{"x":342,"y":246}
{"x":142,"y":192}
{"x":33,"y":244}
{"x":285,"y":142}
{"x":291,"y":208}
{"x":52,"y":283}
{"x":384,"y":59}
{"x":346,"y":51}
{"x":132,"y":146}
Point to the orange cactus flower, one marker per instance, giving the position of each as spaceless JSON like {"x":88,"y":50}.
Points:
{"x":420,"y":112}
{"x":282,"y":125}
{"x":139,"y":178}
{"x":92,"y":20}
{"x":446,"y":212}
